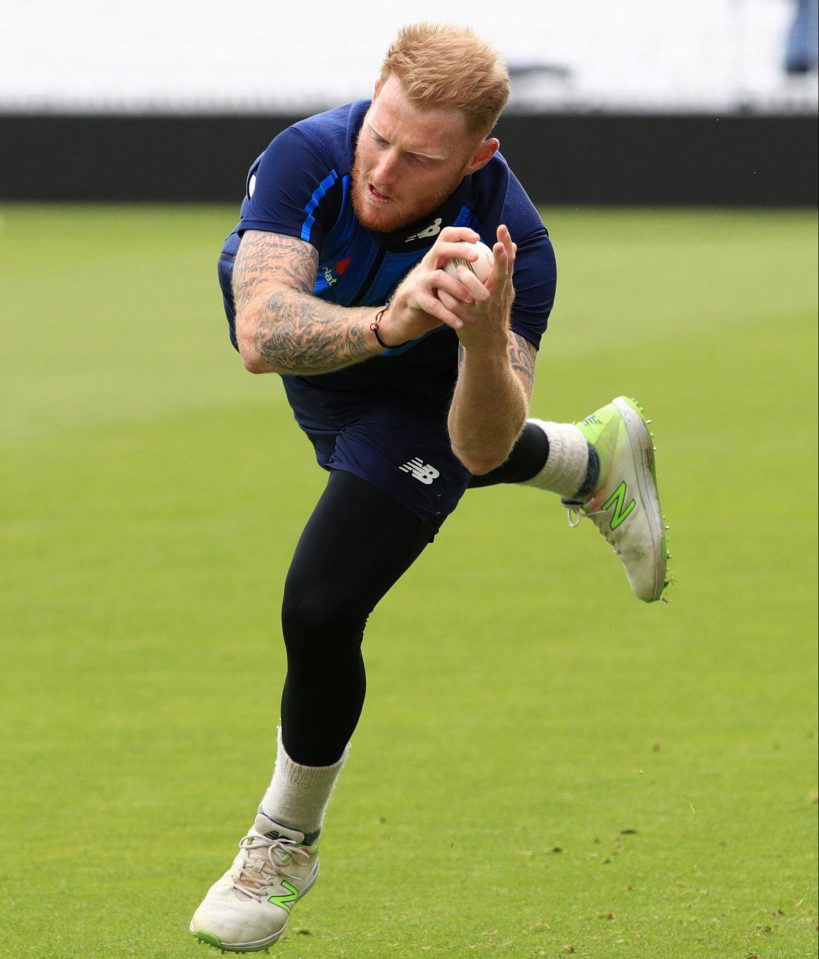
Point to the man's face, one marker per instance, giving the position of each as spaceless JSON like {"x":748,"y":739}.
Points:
{"x":408,"y":160}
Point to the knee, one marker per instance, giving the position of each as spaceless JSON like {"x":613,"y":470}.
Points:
{"x":317,"y":621}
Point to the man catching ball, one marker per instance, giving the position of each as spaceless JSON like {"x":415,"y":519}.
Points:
{"x":412,"y":380}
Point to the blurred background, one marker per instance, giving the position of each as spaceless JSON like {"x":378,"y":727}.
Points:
{"x":650,"y":771}
{"x":688,"y":101}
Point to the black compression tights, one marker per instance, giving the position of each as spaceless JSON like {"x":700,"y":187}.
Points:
{"x":356,"y":545}
{"x":358,"y":542}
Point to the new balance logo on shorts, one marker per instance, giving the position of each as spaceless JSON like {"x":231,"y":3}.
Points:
{"x":421,"y":471}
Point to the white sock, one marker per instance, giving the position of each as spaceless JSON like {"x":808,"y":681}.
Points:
{"x":568,"y":460}
{"x":298,"y":796}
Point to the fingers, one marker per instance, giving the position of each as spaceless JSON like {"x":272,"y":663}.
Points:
{"x":455,"y":297}
{"x":471,"y":289}
{"x":457,"y":242}
{"x":453,"y":242}
{"x":440,"y":305}
{"x":457,"y":234}
{"x":444,"y":252}
{"x":504,"y":252}
{"x":505,"y":239}
{"x":449,"y":301}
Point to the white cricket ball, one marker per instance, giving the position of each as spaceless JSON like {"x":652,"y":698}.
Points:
{"x":481,"y":267}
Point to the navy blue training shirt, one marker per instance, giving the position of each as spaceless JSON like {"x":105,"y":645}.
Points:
{"x":301,"y":187}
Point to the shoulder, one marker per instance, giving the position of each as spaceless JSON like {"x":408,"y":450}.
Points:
{"x":296,"y":187}
{"x":502,"y":195}
{"x":332,"y":134}
{"x":499,"y":197}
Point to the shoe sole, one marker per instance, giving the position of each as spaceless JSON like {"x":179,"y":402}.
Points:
{"x":207,"y":939}
{"x":642,"y":452}
{"x":259,"y":945}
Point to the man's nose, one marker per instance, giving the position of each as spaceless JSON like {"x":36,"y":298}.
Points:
{"x":385,"y":169}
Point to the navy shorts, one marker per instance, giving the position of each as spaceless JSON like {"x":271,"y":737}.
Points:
{"x":400,"y":447}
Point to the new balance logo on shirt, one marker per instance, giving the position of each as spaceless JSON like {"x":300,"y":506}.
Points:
{"x":432,"y":230}
{"x":421,"y":471}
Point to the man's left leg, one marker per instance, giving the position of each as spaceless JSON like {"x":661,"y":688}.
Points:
{"x":603,"y":468}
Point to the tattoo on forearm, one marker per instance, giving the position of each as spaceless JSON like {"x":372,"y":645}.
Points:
{"x":292,"y":330}
{"x":522,"y":356}
{"x":299,"y":336}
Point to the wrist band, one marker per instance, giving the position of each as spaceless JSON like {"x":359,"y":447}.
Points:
{"x":379,"y":316}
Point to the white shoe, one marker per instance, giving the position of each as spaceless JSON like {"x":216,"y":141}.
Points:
{"x":248,"y":908}
{"x":625,"y":506}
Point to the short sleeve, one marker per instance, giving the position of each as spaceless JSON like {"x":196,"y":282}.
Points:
{"x":535,"y":286}
{"x":292,"y":189}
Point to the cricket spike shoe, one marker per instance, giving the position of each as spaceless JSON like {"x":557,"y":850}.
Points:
{"x":625,"y":506}
{"x":248,"y":908}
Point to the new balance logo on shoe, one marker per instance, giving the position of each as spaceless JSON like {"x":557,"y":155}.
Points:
{"x":617,"y":500}
{"x":421,"y":471}
{"x":286,"y":902}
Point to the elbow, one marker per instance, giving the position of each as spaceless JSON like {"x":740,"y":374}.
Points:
{"x":482,"y":458}
{"x":479,"y":465}
{"x":253,"y":361}
{"x":247,"y":343}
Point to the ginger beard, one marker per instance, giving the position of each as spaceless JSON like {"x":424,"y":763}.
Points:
{"x":385,"y":213}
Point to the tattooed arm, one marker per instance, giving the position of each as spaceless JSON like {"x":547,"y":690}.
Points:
{"x":280,"y":326}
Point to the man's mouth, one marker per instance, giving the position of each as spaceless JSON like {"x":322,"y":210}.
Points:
{"x":376,"y":195}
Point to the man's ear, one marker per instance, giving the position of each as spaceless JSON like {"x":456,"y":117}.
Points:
{"x":377,"y":88}
{"x":482,"y":155}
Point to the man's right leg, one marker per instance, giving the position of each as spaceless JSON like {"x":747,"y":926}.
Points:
{"x":356,"y":545}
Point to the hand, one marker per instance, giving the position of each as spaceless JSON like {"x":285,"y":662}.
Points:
{"x":484,"y":322}
{"x":419,"y":305}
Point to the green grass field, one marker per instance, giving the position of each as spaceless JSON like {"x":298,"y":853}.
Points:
{"x":545,"y":766}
